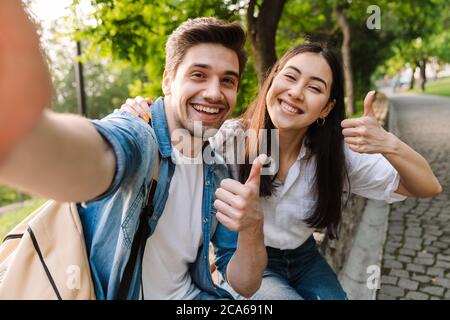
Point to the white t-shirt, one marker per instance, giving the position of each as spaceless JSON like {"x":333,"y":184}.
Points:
{"x":178,"y":235}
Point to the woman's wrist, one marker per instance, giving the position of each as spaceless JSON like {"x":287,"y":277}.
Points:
{"x":392,"y":146}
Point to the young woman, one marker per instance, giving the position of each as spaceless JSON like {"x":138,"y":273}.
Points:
{"x":322,"y":158}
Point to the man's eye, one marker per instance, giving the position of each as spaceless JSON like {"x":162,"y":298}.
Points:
{"x":229,"y":81}
{"x":197,"y":75}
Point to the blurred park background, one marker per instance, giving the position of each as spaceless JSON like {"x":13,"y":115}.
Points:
{"x":102,"y":51}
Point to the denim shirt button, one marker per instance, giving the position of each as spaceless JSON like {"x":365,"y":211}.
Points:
{"x":207,"y":183}
{"x":205,"y":220}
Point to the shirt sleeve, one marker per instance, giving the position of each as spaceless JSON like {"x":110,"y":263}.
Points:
{"x":132,"y":141}
{"x":372,"y":176}
{"x":225,"y":244}
{"x":224,"y":143}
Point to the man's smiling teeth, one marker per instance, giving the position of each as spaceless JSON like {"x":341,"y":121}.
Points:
{"x":205,"y":109}
{"x":287,"y":107}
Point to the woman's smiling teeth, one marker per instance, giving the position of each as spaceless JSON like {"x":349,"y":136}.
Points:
{"x":289,"y":108}
{"x":206,"y":109}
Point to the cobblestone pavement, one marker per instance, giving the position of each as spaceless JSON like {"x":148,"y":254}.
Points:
{"x":416,"y":258}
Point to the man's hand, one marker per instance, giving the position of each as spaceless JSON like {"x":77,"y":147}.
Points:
{"x":364,"y":134}
{"x":139,"y":107}
{"x":238,"y":205}
{"x":238,"y":209}
{"x":25,"y":85}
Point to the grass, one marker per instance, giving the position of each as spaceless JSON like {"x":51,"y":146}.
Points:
{"x":9,"y":196}
{"x":9,"y":220}
{"x":440,"y":87}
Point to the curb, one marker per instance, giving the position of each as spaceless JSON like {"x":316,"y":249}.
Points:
{"x":368,"y":245}
{"x":10,"y":207}
{"x":363,"y":266}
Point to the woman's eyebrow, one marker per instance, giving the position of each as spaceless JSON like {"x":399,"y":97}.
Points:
{"x":313,"y":77}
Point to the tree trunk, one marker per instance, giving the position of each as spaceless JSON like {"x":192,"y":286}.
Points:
{"x":412,"y":81}
{"x":347,"y":60}
{"x":423,"y":75}
{"x":262,"y":31}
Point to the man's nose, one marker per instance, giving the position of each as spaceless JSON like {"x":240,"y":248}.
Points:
{"x":213,"y":91}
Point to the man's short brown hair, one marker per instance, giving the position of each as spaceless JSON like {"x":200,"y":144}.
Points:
{"x":205,"y":30}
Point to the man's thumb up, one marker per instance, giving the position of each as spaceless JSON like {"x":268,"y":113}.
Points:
{"x":238,"y":205}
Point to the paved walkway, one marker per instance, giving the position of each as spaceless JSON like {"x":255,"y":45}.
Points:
{"x":11,"y":207}
{"x":416,"y":258}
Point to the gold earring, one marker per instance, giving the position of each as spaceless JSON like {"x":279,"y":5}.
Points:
{"x":320,"y":124}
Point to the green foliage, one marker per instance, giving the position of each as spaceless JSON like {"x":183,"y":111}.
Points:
{"x":248,"y":89}
{"x":107,"y":87}
{"x":134,"y":32}
{"x":302,"y":21}
{"x":9,"y":196}
{"x":421,"y":31}
{"x":107,"y":82}
{"x":440,"y":45}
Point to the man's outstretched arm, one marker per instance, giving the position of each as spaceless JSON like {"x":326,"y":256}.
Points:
{"x":62,"y":158}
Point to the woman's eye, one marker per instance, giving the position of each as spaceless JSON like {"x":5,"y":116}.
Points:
{"x":290,"y":77}
{"x":316,"y":89}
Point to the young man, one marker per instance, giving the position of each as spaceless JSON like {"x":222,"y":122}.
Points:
{"x":106,"y":165}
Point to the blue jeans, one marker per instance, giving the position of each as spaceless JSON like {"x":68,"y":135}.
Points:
{"x":298,"y":274}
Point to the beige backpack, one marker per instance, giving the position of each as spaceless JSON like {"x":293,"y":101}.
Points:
{"x":44,"y":257}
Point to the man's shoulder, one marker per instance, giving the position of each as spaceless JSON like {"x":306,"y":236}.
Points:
{"x":126,"y":122}
{"x":127,"y":129}
{"x":134,"y":143}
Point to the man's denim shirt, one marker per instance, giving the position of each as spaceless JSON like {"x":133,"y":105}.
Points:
{"x":110,"y":221}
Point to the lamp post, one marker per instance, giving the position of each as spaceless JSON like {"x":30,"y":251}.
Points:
{"x":81,"y":95}
{"x":79,"y":75}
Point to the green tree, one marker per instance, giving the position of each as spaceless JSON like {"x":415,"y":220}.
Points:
{"x":134,"y":32}
{"x":107,"y":83}
{"x":421,"y":32}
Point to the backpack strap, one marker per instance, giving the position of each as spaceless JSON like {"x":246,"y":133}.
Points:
{"x":140,"y":237}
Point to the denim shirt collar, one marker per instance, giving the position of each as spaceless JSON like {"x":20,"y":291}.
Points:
{"x":161,"y":128}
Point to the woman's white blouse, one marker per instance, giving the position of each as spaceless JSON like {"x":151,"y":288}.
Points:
{"x":370,"y":175}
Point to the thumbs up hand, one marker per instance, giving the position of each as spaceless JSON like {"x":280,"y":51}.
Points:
{"x":237,"y":204}
{"x":364,"y":134}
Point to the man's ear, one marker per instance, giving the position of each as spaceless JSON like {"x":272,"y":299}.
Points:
{"x":167,"y":80}
{"x":326,"y":111}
